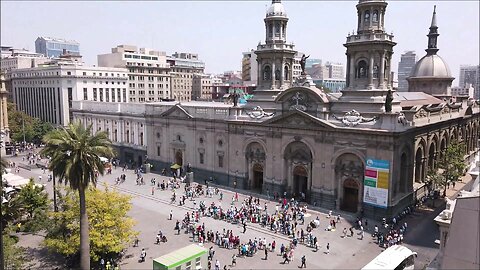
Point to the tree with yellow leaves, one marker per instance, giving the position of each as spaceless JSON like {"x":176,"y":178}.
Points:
{"x":111,"y":229}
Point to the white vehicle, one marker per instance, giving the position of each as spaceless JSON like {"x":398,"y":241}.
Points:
{"x":395,"y":257}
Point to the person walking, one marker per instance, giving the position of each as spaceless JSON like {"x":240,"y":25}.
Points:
{"x":304,"y":262}
{"x":328,"y":248}
{"x":171,"y":215}
{"x":266,"y":253}
{"x":153,"y":191}
{"x":344,"y":232}
{"x":244,"y":227}
{"x":234,"y":260}
{"x":217,"y":265}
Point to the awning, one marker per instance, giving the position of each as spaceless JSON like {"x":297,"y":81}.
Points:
{"x":175,"y":166}
{"x":104,"y":159}
{"x":226,"y":96}
{"x":15,"y":180}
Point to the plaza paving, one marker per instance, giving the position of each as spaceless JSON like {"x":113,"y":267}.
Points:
{"x":151,"y":213}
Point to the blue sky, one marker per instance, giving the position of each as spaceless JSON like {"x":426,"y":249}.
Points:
{"x":219,"y":31}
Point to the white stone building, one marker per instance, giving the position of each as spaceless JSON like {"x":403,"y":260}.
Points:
{"x":47,"y":92}
{"x":148,"y":71}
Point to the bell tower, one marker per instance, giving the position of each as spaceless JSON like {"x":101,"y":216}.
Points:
{"x":275,"y":57}
{"x":369,"y":54}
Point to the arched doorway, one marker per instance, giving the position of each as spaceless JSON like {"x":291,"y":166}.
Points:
{"x":419,"y":165}
{"x":350,"y":195}
{"x":255,"y":163}
{"x":257,"y":177}
{"x":179,"y":158}
{"x":300,"y":181}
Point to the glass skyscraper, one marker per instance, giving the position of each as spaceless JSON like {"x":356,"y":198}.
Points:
{"x":54,"y":47}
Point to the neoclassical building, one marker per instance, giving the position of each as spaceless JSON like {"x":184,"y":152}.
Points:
{"x":366,"y":149}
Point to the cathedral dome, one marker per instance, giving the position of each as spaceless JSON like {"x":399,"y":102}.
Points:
{"x":276,"y":9}
{"x":431,"y":66}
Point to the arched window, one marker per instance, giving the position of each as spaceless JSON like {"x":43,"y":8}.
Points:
{"x":267,"y":73}
{"x":115,"y":137}
{"x":270,"y":30}
{"x":367,"y":16}
{"x":362,"y":69}
{"x":375,"y":71}
{"x":286,"y":71}
{"x":375,"y":16}
{"x":277,"y":29}
{"x":128,"y":136}
{"x":277,"y":74}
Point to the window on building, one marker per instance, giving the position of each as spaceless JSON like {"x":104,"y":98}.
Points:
{"x":101,"y":94}
{"x":202,"y":157}
{"x":85,"y":94}
{"x":69,"y":73}
{"x":107,"y":95}
{"x":158,"y":150}
{"x":94,"y":94}
{"x":220,"y":161}
{"x":84,"y":73}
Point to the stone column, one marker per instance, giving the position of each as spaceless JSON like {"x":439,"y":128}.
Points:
{"x":370,"y":72}
{"x":381,"y":75}
{"x":273,"y":73}
{"x":370,"y":18}
{"x":259,"y":73}
{"x":352,"y":70}
{"x":348,"y":70}
{"x":282,"y":72}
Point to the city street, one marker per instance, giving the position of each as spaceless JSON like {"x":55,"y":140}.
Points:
{"x":151,"y":213}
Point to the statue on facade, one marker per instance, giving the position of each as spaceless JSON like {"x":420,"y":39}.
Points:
{"x":302,"y":63}
{"x":235,"y":99}
{"x":388,"y":101}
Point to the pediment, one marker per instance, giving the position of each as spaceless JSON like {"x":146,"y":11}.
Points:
{"x":177,"y":112}
{"x":298,"y":119}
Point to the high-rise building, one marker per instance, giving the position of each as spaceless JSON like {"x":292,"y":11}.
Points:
{"x":311,"y":62}
{"x":47,"y":91}
{"x":470,"y":75}
{"x":405,"y":67}
{"x":249,"y":68}
{"x":183,"y":67}
{"x":148,"y":71}
{"x":54,"y":47}
{"x":202,"y":87}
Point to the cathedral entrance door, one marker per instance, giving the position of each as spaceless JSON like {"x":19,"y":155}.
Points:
{"x":300,"y":180}
{"x":350,"y":196}
{"x":257,"y":177}
{"x":179,"y":158}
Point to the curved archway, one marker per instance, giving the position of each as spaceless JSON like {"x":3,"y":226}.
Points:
{"x":419,"y":166}
{"x":349,"y":174}
{"x":255,"y":163}
{"x":298,"y":168}
{"x":431,"y":156}
{"x":267,"y":73}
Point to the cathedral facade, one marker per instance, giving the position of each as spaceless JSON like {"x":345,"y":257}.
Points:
{"x":368,"y":149}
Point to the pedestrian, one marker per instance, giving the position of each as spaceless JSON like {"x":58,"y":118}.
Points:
{"x":266,"y":254}
{"x":344,"y":232}
{"x":143,"y":255}
{"x":304,"y":264}
{"x":362,"y":233}
{"x":209,"y":265}
{"x":171,"y":215}
{"x":153,"y":190}
{"x":102,"y":263}
{"x":244,"y":227}
{"x":328,"y":248}
{"x":108,"y":266}
{"x":217,"y":265}
{"x":234,"y":259}
{"x":453,"y":184}
{"x":351,"y":231}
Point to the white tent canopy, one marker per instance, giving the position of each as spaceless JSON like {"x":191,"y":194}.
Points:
{"x":15,"y":180}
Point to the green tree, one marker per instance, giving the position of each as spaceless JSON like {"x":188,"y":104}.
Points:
{"x":34,"y":202}
{"x":14,"y":257}
{"x":452,"y":165}
{"x":21,"y":124}
{"x":75,"y":158}
{"x":110,"y":227}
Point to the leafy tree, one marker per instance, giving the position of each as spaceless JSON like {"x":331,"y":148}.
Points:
{"x":110,"y":228}
{"x":75,"y":158}
{"x":452,"y":165}
{"x":34,"y":202}
{"x":21,"y":123}
{"x":14,"y":257}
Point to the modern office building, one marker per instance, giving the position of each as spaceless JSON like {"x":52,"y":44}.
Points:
{"x":465,"y":91}
{"x":183,"y":67}
{"x":54,"y":47}
{"x":249,"y":68}
{"x":202,"y":87}
{"x":47,"y":91}
{"x":148,"y":71}
{"x":312,"y":61}
{"x":470,"y":75}
{"x":405,"y":68}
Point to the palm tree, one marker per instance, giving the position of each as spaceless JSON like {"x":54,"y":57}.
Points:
{"x":75,"y":158}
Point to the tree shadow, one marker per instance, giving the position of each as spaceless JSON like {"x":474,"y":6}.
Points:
{"x":42,"y":258}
